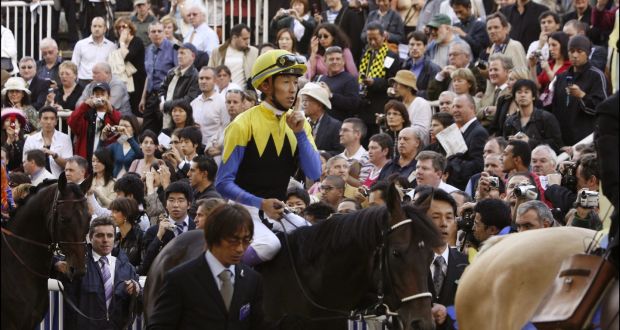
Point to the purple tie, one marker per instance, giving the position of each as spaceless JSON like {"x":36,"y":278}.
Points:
{"x":107,"y":279}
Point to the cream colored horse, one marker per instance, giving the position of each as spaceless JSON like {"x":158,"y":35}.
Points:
{"x":502,"y":288}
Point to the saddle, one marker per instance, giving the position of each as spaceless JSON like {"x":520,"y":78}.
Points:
{"x":581,"y":283}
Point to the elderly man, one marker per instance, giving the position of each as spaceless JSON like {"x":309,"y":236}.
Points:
{"x":430,"y":167}
{"x":160,"y":57}
{"x":442,"y":37}
{"x":76,"y":168}
{"x":498,"y":29}
{"x":142,"y":19}
{"x":237,"y":54}
{"x":577,"y":92}
{"x":497,"y":85}
{"x":423,"y":68}
{"x":332,"y":190}
{"x":378,"y":64}
{"x":37,"y":86}
{"x":445,"y":101}
{"x":92,"y":50}
{"x":200,"y":35}
{"x":533,"y":215}
{"x":409,"y":143}
{"x":119,"y":97}
{"x":459,"y":56}
{"x":325,"y":129}
{"x":47,"y":68}
{"x":464,"y":165}
{"x":56,"y":145}
{"x":544,"y":160}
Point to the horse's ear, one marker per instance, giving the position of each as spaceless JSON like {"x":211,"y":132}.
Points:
{"x":62,"y":181}
{"x":425,"y":204}
{"x":86,"y":184}
{"x":393,"y":201}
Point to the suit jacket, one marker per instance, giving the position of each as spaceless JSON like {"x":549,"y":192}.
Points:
{"x":457,"y":262}
{"x":186,"y":88}
{"x":152,"y":245}
{"x":38,"y":91}
{"x":327,"y":136}
{"x":463,"y":165}
{"x":190,"y":299}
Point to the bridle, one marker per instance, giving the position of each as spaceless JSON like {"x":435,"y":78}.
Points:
{"x":55,"y":246}
{"x":380,"y":307}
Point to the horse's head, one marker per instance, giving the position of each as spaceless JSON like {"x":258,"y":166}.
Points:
{"x":69,"y":224}
{"x":407,"y":255}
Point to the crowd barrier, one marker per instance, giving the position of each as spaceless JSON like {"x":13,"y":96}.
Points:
{"x":54,"y":319}
{"x":27,"y":33}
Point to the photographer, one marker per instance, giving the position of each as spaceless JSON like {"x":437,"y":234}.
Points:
{"x":89,"y":119}
{"x":586,"y":177}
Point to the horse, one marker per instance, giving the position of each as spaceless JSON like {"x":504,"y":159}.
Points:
{"x":53,"y":220}
{"x":375,"y":257}
{"x":510,"y":276}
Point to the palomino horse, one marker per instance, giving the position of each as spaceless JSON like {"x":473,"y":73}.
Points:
{"x":342,"y":264}
{"x":54,"y":220}
{"x":504,"y":285}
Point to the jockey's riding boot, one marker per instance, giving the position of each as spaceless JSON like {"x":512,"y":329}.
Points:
{"x":250,"y":257}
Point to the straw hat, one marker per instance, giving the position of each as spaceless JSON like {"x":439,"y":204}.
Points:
{"x":405,"y":78}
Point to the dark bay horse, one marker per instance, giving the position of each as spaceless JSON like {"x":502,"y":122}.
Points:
{"x":55,"y":219}
{"x":342,"y":264}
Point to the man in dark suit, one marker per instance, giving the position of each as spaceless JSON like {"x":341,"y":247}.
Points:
{"x":462,"y":166}
{"x":325,"y":129}
{"x":448,"y":263}
{"x":214,"y":291}
{"x":181,"y":83}
{"x":38,"y":87}
{"x":179,"y":197}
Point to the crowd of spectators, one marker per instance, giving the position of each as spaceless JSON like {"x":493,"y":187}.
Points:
{"x":474,"y":100}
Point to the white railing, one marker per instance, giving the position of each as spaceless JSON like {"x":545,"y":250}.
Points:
{"x":55,"y":316}
{"x":62,"y":121}
{"x":15,"y":18}
{"x":258,"y":21}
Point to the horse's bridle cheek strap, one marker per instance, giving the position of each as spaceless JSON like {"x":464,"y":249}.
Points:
{"x":417,"y":296}
{"x":51,"y":223}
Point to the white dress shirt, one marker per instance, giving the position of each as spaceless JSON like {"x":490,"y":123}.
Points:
{"x":205,"y":39}
{"x":445,"y":254}
{"x":217,"y":267}
{"x":87,"y":53}
{"x":210,"y":113}
{"x":111,"y":264}
{"x":61,"y":144}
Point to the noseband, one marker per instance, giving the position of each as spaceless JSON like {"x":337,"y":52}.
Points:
{"x":384,"y":269}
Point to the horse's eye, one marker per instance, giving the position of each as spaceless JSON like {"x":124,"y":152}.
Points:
{"x":396,"y":253}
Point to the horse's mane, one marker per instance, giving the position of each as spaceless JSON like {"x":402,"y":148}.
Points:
{"x":41,"y":197}
{"x":361,"y":230}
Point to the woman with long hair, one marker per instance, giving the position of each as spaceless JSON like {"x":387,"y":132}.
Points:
{"x":131,"y":50}
{"x":126,"y":215}
{"x":103,"y":179}
{"x":126,"y":148}
{"x":15,"y":94}
{"x":558,"y":61}
{"x":182,"y":116}
{"x":328,"y":35}
{"x":286,"y":40}
{"x":148,"y":146}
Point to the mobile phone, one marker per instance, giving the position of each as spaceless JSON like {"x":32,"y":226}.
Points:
{"x":569,"y":80}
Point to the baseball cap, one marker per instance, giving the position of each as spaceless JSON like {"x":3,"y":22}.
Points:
{"x":438,"y":20}
{"x":102,"y":85}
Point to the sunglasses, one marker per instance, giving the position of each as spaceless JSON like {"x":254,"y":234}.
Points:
{"x":26,"y":67}
{"x":120,"y":27}
{"x":323,"y":36}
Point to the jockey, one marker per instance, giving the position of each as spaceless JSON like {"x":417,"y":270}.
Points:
{"x":263,"y":147}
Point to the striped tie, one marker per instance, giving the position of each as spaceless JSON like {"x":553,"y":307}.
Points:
{"x":107,"y":279}
{"x":440,"y":273}
{"x":180,"y":227}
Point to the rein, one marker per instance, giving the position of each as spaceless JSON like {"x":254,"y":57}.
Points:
{"x":380,"y":308}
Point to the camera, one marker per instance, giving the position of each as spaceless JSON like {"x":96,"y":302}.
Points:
{"x":364,"y":191}
{"x":527,"y":191}
{"x":50,"y":90}
{"x":466,"y":222}
{"x":113,"y":129}
{"x":98,"y":102}
{"x":494,"y":182}
{"x":538,"y":55}
{"x":569,"y":178}
{"x":587,"y":199}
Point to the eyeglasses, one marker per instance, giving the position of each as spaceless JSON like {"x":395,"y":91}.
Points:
{"x":120,"y":27}
{"x":176,"y":201}
{"x":236,"y":241}
{"x":326,"y":188}
{"x":156,"y":31}
{"x":26,"y":67}
{"x":323,"y":36}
